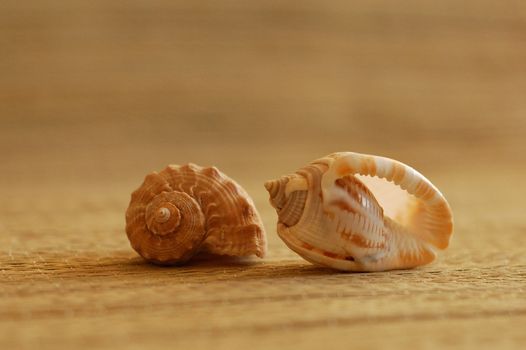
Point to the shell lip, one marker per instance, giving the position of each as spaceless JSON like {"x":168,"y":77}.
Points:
{"x":314,"y":256}
{"x":438,"y":212}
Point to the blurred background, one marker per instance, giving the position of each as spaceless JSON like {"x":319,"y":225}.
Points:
{"x":104,"y":91}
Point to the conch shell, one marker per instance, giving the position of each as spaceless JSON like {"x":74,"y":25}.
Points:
{"x":183,"y":210}
{"x":357,"y":212}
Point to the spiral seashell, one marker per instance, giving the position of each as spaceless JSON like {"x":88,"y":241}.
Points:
{"x":357,"y":212}
{"x":183,"y":210}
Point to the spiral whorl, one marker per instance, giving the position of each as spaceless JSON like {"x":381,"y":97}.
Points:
{"x":171,"y":228}
{"x":170,"y":212}
{"x":162,"y":217}
{"x":276,"y":189}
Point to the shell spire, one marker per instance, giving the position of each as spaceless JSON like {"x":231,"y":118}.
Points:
{"x":184,"y":210}
{"x":357,"y":212}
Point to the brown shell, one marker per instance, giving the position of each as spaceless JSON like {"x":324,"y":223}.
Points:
{"x":183,"y":210}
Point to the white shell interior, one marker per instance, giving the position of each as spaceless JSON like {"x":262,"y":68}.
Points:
{"x":396,"y":202}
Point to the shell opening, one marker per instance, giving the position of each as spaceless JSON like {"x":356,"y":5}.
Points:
{"x":395,"y":202}
{"x":405,"y":195}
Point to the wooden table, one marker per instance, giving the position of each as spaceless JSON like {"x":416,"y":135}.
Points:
{"x":94,"y":95}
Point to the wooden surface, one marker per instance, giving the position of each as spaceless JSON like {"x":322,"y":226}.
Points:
{"x":94,"y":95}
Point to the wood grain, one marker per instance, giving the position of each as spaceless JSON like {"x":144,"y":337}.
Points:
{"x":94,"y":95}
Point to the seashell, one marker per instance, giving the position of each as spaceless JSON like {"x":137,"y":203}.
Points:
{"x":357,"y":212}
{"x":184,"y":210}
